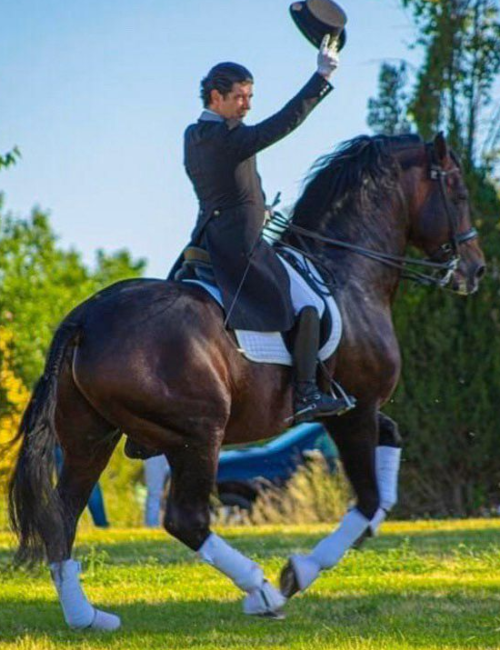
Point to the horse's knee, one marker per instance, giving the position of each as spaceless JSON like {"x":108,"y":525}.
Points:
{"x":191,"y":527}
{"x":389,"y":435}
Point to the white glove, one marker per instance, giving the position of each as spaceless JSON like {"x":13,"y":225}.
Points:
{"x":328,"y":58}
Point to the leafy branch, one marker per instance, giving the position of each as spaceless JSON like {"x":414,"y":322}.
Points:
{"x":10,"y":158}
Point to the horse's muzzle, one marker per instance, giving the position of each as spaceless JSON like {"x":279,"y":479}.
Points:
{"x":466,"y":281}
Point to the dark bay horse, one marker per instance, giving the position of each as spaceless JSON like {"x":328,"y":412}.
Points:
{"x":153,"y":359}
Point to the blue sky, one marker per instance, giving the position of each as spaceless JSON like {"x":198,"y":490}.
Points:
{"x":97,"y":95}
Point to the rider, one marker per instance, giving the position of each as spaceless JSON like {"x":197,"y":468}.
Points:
{"x":221,"y":163}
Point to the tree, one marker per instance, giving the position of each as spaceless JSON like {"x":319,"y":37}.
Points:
{"x":13,"y":394}
{"x":10,"y":158}
{"x":453,"y":86}
{"x":387,"y":114}
{"x":40,"y":283}
{"x":13,"y":399}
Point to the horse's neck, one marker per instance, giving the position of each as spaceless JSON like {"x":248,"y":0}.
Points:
{"x":382,"y":229}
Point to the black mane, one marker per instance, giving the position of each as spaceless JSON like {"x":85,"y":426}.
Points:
{"x":359,"y":174}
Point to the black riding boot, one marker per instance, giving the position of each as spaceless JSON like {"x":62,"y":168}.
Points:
{"x":308,"y":402}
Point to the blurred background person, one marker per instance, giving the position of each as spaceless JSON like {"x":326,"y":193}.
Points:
{"x":156,"y":474}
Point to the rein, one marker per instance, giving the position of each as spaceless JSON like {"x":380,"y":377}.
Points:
{"x":450,"y":248}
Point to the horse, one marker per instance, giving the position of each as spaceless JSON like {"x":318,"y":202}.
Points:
{"x":153,"y":358}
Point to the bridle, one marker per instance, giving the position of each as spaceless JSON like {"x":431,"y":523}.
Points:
{"x":438,"y":273}
{"x":437,"y":173}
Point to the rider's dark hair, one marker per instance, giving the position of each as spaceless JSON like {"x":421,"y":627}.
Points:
{"x":222,"y":77}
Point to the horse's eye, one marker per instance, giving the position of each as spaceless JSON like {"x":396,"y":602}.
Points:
{"x":461,"y":197}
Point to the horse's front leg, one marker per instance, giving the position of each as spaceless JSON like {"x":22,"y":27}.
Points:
{"x":387,"y":461}
{"x":372,"y":472}
{"x":187,"y":518}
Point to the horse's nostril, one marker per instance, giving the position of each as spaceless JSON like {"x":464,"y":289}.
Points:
{"x":480,"y":271}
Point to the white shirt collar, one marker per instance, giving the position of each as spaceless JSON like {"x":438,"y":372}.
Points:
{"x":210,"y":116}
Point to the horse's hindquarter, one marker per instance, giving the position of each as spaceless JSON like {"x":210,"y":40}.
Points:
{"x":368,"y":361}
{"x":262,"y":402}
{"x":153,"y":355}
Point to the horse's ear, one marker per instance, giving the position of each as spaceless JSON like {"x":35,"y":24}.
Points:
{"x":440,"y":147}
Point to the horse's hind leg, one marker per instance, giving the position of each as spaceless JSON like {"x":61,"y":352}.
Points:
{"x":88,"y":442}
{"x":188,"y":519}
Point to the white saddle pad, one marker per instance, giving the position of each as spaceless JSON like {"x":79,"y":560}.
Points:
{"x":269,"y":347}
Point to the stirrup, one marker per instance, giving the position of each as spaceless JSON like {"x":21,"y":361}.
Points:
{"x":336,"y":389}
{"x":311,"y":411}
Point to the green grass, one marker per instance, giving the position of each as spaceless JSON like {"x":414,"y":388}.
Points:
{"x":418,"y":585}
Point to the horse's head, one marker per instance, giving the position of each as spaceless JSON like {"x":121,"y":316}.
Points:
{"x":440,"y":221}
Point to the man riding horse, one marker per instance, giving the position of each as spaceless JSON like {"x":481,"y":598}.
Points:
{"x":220,"y":160}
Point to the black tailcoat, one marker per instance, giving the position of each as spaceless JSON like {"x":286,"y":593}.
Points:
{"x":220,"y":161}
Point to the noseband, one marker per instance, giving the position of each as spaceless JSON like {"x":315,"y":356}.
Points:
{"x":439,"y":273}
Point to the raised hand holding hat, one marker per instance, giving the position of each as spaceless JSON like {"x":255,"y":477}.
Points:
{"x":328,"y":59}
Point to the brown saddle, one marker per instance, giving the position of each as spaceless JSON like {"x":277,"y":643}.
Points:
{"x":196,"y":265}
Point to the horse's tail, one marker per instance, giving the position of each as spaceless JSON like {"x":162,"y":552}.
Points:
{"x":34,"y":505}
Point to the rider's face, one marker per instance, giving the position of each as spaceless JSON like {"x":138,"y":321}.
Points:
{"x":236,"y":104}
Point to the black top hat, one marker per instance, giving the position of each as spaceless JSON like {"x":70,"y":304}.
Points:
{"x":315,"y":18}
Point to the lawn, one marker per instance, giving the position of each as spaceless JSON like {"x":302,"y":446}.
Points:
{"x":418,"y":585}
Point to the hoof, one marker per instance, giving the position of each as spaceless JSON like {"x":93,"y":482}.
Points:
{"x":105,"y":622}
{"x":299,"y":574}
{"x":289,"y":584}
{"x":278,"y":615}
{"x":266,"y":601}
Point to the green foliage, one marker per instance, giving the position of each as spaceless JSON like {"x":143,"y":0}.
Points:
{"x":312,"y":495}
{"x":447,"y":402}
{"x":387,"y":114}
{"x":10,"y":158}
{"x":123,"y":490}
{"x":40,"y":283}
{"x":462,"y":61}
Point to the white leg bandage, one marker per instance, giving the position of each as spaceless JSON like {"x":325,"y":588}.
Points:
{"x":263,"y":601}
{"x":387,"y":461}
{"x":78,"y":612}
{"x":156,"y":471}
{"x":330,"y":550}
{"x":376,"y":520}
{"x":262,"y":598}
{"x":247,"y":575}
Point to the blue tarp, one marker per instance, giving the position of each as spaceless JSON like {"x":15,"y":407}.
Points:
{"x":275,"y":460}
